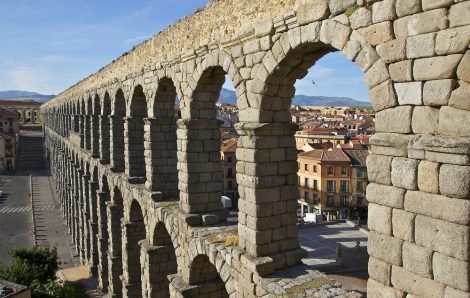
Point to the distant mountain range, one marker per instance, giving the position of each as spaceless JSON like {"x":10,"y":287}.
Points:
{"x":24,"y":95}
{"x":230,"y":97}
{"x":226,"y":96}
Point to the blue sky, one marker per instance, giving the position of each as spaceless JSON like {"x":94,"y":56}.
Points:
{"x":48,"y":45}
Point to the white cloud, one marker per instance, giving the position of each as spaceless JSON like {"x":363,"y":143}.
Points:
{"x":321,"y":72}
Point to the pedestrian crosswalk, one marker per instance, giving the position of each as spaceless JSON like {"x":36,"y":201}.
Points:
{"x":16,"y":209}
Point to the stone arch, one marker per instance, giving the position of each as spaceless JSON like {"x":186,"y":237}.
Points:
{"x":117,"y":131}
{"x":103,"y":235}
{"x":162,"y":173}
{"x":134,"y":141}
{"x":159,"y":261}
{"x":134,"y":231}
{"x":203,"y":275}
{"x":115,"y":211}
{"x":199,"y":123}
{"x":105,"y":135}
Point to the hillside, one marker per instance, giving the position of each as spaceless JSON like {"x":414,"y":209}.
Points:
{"x":25,"y":95}
{"x":229,"y":96}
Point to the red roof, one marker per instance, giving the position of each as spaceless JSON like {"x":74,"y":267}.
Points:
{"x":332,"y":154}
{"x":229,"y":146}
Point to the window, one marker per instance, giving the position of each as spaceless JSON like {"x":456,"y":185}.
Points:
{"x":229,"y":159}
{"x":315,"y":168}
{"x":329,"y":201}
{"x":330,"y":170}
{"x":306,"y":196}
{"x":306,"y":182}
{"x":344,"y":186}
{"x":229,"y":172}
{"x":360,"y":173}
{"x":315,"y":184}
{"x":315,"y":199}
{"x":344,"y":170}
{"x":330,"y":186}
{"x":344,"y":201}
{"x":360,"y":186}
{"x":306,"y":167}
{"x":230,"y":184}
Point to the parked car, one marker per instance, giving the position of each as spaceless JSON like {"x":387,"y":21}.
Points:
{"x":313,"y":218}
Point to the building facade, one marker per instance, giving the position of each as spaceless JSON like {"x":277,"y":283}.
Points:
{"x":28,"y":110}
{"x":9,"y":137}
{"x":229,"y":163}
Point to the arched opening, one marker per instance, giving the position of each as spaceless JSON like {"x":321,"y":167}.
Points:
{"x":161,"y":143}
{"x":117,"y":132}
{"x":135,"y":157}
{"x":82,"y":117}
{"x":204,"y":275}
{"x":115,"y":214}
{"x":105,"y":135}
{"x":202,"y":181}
{"x":160,"y":262}
{"x":134,"y":231}
{"x":88,"y":119}
{"x":76,"y":116}
{"x":95,"y":127}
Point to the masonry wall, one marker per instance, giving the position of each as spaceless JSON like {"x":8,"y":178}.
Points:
{"x":416,"y":60}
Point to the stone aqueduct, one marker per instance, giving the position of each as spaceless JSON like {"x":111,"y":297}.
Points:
{"x":140,"y":189}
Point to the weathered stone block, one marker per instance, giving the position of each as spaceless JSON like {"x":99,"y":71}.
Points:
{"x":451,"y":271}
{"x":442,"y":236}
{"x":416,"y":284}
{"x":453,"y":41}
{"x":409,"y":93}
{"x":425,"y":120}
{"x":379,"y":169}
{"x":419,"y":46}
{"x":428,"y":176}
{"x":385,"y":248}
{"x":435,"y":68}
{"x":458,"y":14}
{"x":339,"y":6}
{"x":383,"y":11}
{"x":460,"y":98}
{"x":310,"y":11}
{"x":440,"y":207}
{"x":426,"y":22}
{"x":377,"y":33}
{"x":463,"y":71}
{"x":361,"y":18}
{"x":383,"y":96}
{"x":385,"y":195}
{"x":404,"y":172}
{"x":377,"y":290}
{"x":433,"y":4}
{"x":437,"y":93}
{"x":380,"y":219}
{"x":393,"y":50}
{"x":417,"y":259}
{"x":454,"y":293}
{"x":407,"y":7}
{"x":451,"y":120}
{"x":454,"y":181}
{"x":396,"y":119}
{"x":377,"y":74}
{"x":401,"y":71}
{"x":380,"y":270}
{"x":403,"y":224}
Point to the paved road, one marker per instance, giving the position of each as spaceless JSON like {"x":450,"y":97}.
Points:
{"x":16,"y":209}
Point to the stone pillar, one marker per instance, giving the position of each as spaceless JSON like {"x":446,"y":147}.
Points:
{"x":115,"y":214}
{"x":160,"y":157}
{"x":134,"y":149}
{"x":93,"y":227}
{"x":103,"y":277}
{"x":84,"y":218}
{"x":116,"y":149}
{"x":267,"y":176}
{"x":95,"y":135}
{"x":157,"y":262}
{"x":87,"y":132}
{"x":132,"y":234}
{"x":82,"y":130}
{"x":104,"y":134}
{"x":200,"y":171}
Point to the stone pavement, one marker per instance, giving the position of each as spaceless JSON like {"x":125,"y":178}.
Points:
{"x":320,"y":242}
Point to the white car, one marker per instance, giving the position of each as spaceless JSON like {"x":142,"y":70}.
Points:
{"x":313,"y":218}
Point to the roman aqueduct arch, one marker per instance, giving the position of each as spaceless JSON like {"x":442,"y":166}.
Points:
{"x":140,"y":186}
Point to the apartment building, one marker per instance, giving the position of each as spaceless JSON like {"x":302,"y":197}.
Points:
{"x":229,"y":162}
